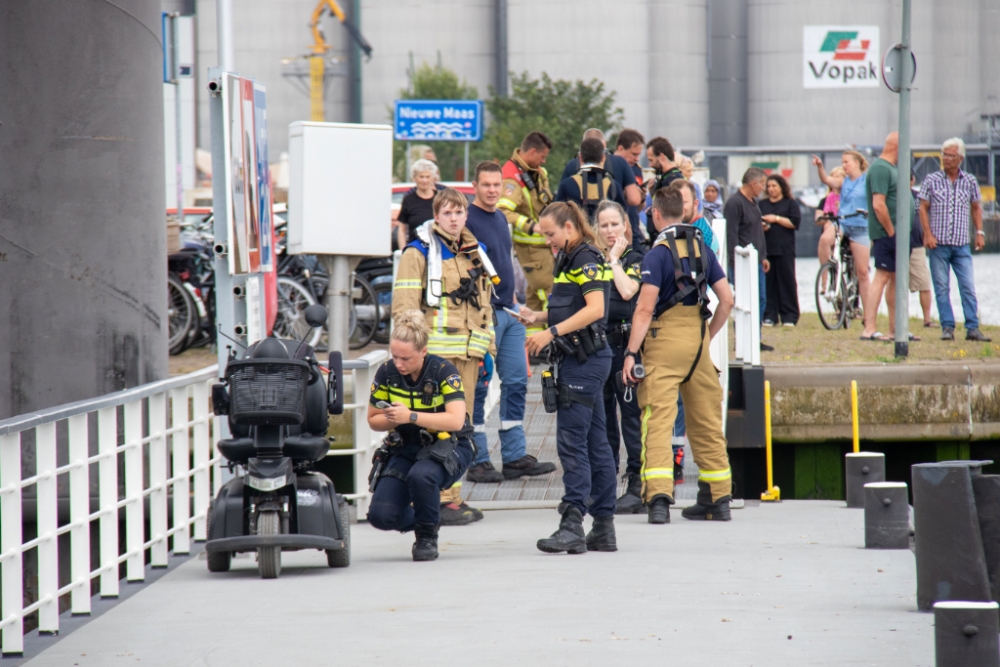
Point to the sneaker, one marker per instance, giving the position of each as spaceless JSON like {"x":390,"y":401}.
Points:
{"x":788,"y":324}
{"x":527,"y":465}
{"x":484,"y":473}
{"x":477,"y":514}
{"x":976,"y":334}
{"x":764,"y":347}
{"x":767,"y":323}
{"x":948,"y":333}
{"x":453,"y":514}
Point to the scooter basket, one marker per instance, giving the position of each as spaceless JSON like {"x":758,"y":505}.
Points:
{"x":267,"y":393}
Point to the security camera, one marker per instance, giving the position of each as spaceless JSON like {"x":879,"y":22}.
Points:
{"x":240,"y":330}
{"x":220,"y":249}
{"x":215,"y":86}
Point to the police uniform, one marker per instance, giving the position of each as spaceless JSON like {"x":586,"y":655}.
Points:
{"x":420,"y":463}
{"x":456,"y":305}
{"x":589,"y":187}
{"x":525,"y":193}
{"x":619,"y":326}
{"x":676,"y":357}
{"x":581,"y":435}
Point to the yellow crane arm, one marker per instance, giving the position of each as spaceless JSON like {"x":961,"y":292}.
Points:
{"x":320,"y":45}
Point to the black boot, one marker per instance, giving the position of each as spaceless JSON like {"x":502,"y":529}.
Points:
{"x":602,"y":535}
{"x":426,"y":546}
{"x":569,"y":538}
{"x":631,"y":500}
{"x":659,"y":509}
{"x":705,"y":509}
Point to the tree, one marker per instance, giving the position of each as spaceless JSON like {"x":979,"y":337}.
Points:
{"x":561,"y":109}
{"x":435,"y":83}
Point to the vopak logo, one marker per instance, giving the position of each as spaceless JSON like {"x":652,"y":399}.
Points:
{"x":840,"y":57}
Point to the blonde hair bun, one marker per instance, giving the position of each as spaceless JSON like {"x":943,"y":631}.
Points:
{"x":410,"y":327}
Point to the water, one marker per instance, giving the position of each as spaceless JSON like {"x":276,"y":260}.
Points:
{"x":987,"y":273}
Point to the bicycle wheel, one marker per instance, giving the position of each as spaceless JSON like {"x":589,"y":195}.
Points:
{"x":831,"y":296}
{"x":290,"y":322}
{"x":365,"y":314}
{"x":853,"y":291}
{"x":382,"y":285}
{"x":180,"y":315}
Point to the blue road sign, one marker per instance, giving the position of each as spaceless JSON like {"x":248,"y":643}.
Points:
{"x":439,"y":120}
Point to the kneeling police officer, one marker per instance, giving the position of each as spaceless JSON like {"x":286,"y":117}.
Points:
{"x":577,"y":315}
{"x":419,"y":397}
{"x":671,"y":327}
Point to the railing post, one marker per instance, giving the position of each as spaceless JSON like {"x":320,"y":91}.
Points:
{"x":158,"y":552}
{"x":134,"y":511}
{"x":362,"y":439}
{"x":46,"y":493}
{"x":201,"y":457}
{"x":181,"y":468}
{"x":79,"y":510}
{"x":11,"y":601}
{"x":107,"y":443}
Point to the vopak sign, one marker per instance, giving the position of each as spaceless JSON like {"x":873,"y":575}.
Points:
{"x":840,"y":56}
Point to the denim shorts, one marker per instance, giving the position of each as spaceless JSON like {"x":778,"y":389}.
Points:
{"x":857,"y":234}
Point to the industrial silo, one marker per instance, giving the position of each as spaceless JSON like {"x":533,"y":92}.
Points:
{"x":678,"y":71}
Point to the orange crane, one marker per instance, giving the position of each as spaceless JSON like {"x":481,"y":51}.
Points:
{"x":320,"y":47}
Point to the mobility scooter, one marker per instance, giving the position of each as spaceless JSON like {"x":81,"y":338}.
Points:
{"x":278,"y":405}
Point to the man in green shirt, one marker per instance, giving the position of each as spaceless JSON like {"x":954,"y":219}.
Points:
{"x":881,"y":191}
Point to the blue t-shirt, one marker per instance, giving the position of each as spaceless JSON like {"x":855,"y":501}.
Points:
{"x":852,"y":197}
{"x":492,"y":230}
{"x":658,"y":270}
{"x":615,"y":165}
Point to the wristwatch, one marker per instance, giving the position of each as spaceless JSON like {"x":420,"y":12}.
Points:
{"x":553,"y":331}
{"x":413,"y":417}
{"x":630,"y":353}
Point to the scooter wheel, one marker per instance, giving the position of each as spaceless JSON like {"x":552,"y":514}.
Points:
{"x":269,"y":558}
{"x":218,"y":561}
{"x":342,"y":557}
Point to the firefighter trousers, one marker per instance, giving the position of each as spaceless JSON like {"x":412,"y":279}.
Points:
{"x":537,"y":263}
{"x":669,"y":354}
{"x":468,"y":369}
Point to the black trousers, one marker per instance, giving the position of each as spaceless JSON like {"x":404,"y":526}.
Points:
{"x":631,"y":418}
{"x":782,"y":290}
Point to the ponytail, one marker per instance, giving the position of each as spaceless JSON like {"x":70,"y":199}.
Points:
{"x":567,"y":211}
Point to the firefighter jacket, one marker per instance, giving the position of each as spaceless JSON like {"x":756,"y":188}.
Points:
{"x":462,"y":323}
{"x":525,"y":193}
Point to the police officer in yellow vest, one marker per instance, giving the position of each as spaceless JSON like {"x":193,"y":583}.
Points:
{"x":446,"y":274}
{"x":525,"y":193}
{"x":670,"y":328}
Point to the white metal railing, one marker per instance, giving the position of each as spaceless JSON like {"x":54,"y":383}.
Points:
{"x":746,"y":312}
{"x":164,"y":431}
{"x":719,"y":347}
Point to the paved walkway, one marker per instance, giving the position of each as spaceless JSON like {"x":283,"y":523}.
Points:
{"x":784,"y":584}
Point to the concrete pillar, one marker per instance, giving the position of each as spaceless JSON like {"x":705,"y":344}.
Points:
{"x":887,"y":516}
{"x":727,"y":75}
{"x":862,"y":468}
{"x":82,"y":221}
{"x":967,"y":634}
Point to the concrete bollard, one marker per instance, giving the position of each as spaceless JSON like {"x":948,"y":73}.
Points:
{"x":887,"y":516}
{"x":966,"y":634}
{"x":862,"y":468}
{"x":951,"y":562}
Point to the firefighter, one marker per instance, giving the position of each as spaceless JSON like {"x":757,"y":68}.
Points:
{"x":615,"y":235}
{"x":672,"y":331}
{"x":430,"y":445}
{"x":577,"y":315}
{"x":525,"y":193}
{"x":445,"y":273}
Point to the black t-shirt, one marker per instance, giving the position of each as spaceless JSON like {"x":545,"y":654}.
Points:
{"x":781,"y":240}
{"x":658,"y":270}
{"x":744,"y":226}
{"x":415,"y":211}
{"x":662,"y":181}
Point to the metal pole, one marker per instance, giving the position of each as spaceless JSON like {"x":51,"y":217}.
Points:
{"x":500,"y":46}
{"x":224,"y":32}
{"x":338,"y":301}
{"x":357,"y":102}
{"x":406,"y":176}
{"x":178,"y":110}
{"x":466,"y":171}
{"x":903,"y":195}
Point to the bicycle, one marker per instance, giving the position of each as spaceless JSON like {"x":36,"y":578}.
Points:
{"x":838,"y":297}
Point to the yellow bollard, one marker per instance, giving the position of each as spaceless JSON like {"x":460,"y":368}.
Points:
{"x":854,"y":415}
{"x":773,"y":493}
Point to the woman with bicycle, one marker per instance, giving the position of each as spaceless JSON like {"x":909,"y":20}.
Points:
{"x":851,"y":187}
{"x":782,"y":217}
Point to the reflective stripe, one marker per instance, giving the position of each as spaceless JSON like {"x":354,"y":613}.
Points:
{"x":507,"y":204}
{"x":715,"y":475}
{"x":678,"y":440}
{"x":407,"y":284}
{"x":658,"y":473}
{"x":508,"y":425}
{"x":479,"y":428}
{"x":479,"y":342}
{"x":544,"y":298}
{"x":527,"y":239}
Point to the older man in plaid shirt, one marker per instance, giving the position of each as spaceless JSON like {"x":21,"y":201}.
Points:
{"x":946,"y":199}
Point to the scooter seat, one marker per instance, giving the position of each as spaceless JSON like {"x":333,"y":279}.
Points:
{"x":237,"y":449}
{"x":306,"y":447}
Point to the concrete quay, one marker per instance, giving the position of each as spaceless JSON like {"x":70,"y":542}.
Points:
{"x":780,"y":585}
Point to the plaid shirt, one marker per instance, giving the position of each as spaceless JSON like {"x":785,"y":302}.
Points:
{"x":950,"y":205}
